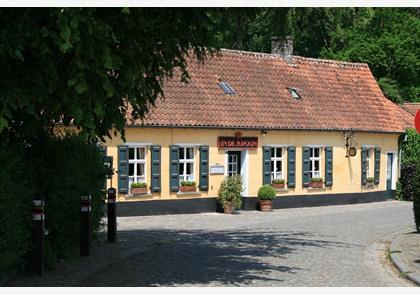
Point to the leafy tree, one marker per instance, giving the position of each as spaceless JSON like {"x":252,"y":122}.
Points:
{"x":388,"y":39}
{"x":83,"y":65}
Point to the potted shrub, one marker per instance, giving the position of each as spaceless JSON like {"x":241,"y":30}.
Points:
{"x":266,"y":194}
{"x":278,"y":183}
{"x":316,"y":182}
{"x":370,"y":181}
{"x":188,"y":186}
{"x":229,"y":195}
{"x":138,"y":188}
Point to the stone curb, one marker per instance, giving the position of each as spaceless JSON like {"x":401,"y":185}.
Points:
{"x":395,"y":256}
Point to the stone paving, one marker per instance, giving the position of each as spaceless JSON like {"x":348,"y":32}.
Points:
{"x":323,"y":246}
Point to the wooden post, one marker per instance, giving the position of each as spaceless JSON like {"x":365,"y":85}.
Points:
{"x":85,"y":225}
{"x":112,"y":215}
{"x":38,"y":237}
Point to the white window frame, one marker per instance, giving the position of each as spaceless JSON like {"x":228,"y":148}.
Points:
{"x":232,"y":163}
{"x":184,"y":161}
{"x":368,"y":162}
{"x":276,"y":159}
{"x":135,"y":161}
{"x":314,"y":159}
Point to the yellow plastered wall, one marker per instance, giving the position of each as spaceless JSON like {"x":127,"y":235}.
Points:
{"x":346,"y":171}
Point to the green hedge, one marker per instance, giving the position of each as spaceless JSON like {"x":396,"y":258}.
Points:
{"x":416,"y":198}
{"x":61,"y":170}
{"x":15,"y":209}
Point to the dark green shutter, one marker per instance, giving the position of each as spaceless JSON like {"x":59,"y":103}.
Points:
{"x":174,"y":168}
{"x":204,"y":168}
{"x":328,"y":166}
{"x":155,"y":182}
{"x":266,"y":165}
{"x":122,"y":169}
{"x":291,"y":166}
{"x":377,"y":164}
{"x":364,"y":156}
{"x":306,"y":173}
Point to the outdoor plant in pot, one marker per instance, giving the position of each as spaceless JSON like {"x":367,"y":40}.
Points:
{"x":278,"y":183}
{"x":316,"y":182}
{"x":188,"y":186}
{"x":370,"y":181}
{"x":266,"y":194}
{"x":229,"y":195}
{"x":138,"y":188}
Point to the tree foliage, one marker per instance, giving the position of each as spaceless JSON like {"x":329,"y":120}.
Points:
{"x":83,"y":65}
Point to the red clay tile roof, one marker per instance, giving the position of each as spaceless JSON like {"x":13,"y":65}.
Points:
{"x":411,"y":107}
{"x":335,"y":96}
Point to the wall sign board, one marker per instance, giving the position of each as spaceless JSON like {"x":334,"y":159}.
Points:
{"x":217,"y":169}
{"x":224,"y":142}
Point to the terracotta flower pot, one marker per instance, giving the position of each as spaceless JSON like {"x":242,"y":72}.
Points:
{"x":228,"y":208}
{"x":187,"y":188}
{"x":278,"y":185}
{"x":138,"y":190}
{"x":317,"y":184}
{"x":266,"y":205}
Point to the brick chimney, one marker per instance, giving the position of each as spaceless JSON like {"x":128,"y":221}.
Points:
{"x":283,"y":47}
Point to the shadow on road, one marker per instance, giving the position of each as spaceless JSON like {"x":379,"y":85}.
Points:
{"x":197,"y":257}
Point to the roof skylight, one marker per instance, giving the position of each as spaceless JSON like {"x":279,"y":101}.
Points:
{"x":226,"y":88}
{"x":294,"y":92}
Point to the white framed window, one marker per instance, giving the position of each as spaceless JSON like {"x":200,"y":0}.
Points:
{"x":136,"y":164}
{"x":233,"y":168}
{"x":315,"y":162}
{"x":277,"y":160}
{"x":186,"y":163}
{"x":369,"y":155}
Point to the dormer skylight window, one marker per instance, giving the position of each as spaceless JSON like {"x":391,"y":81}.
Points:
{"x":227,"y":88}
{"x":294,"y":92}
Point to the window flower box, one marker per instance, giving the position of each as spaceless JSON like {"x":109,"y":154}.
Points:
{"x":188,"y":186}
{"x":370,"y":181}
{"x":317,"y":182}
{"x":278,"y":183}
{"x":138,"y":188}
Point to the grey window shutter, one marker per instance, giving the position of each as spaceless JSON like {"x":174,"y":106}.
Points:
{"x":266,"y":165}
{"x":328,"y":166}
{"x":291,"y":166}
{"x":364,"y":156}
{"x":174,"y":168}
{"x":377,"y":164}
{"x":122,"y":169}
{"x":306,"y":173}
{"x":204,"y":168}
{"x":155,"y":180}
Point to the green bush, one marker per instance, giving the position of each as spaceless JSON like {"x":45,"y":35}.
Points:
{"x":71,"y":169}
{"x":410,"y":149}
{"x":416,"y":198}
{"x":266,"y":192}
{"x":278,"y":181}
{"x":405,"y":185}
{"x":60,"y":171}
{"x":15,"y":210}
{"x":230,"y":191}
{"x":138,"y":185}
{"x":188,"y":183}
{"x":316,"y":179}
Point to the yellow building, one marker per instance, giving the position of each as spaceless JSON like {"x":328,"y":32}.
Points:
{"x":265,"y":117}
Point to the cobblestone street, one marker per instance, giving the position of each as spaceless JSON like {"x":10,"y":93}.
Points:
{"x":324,"y":246}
